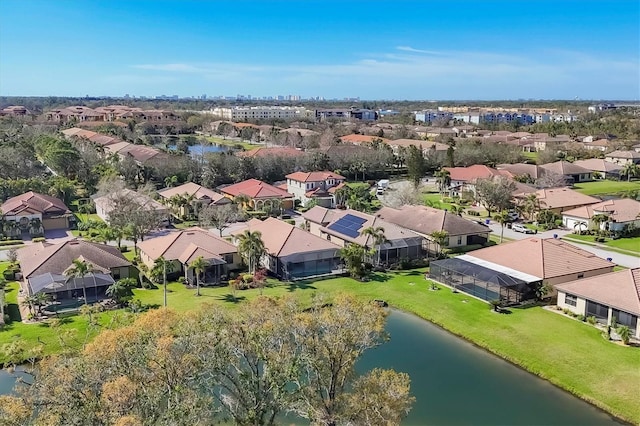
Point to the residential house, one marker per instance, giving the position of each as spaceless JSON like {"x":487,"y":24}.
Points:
{"x":293,"y":253}
{"x":608,"y":297}
{"x":70,"y":114}
{"x":181,"y":248}
{"x":105,"y":204}
{"x":434,"y":132}
{"x":606,"y":169}
{"x":428,"y":147}
{"x":15,"y":111}
{"x":572,"y":172}
{"x":464,"y":178}
{"x":307,"y":186}
{"x":559,"y":200}
{"x":261,"y":195}
{"x":598,"y":144}
{"x":623,"y":157}
{"x":512,"y":271}
{"x":425,"y":220}
{"x":343,"y":227}
{"x":362,"y":139}
{"x":35,"y":213}
{"x":198,"y":197}
{"x":533,"y":171}
{"x":45,"y":269}
{"x":621,"y":213}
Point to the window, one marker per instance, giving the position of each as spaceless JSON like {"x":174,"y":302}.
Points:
{"x":460,"y":240}
{"x":228,"y":258}
{"x":570,"y":299}
{"x":580,"y":275}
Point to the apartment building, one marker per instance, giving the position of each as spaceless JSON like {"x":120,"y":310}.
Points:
{"x":247,"y":113}
{"x":429,"y":116}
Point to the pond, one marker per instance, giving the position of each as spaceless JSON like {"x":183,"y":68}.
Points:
{"x":196,"y":150}
{"x":456,"y":383}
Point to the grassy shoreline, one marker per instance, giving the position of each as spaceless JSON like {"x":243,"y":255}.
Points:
{"x":569,"y":354}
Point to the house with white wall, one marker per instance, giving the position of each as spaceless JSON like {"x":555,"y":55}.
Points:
{"x":306,"y":186}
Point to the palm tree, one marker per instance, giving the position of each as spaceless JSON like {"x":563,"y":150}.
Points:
{"x":577,"y":227}
{"x":599,"y":219}
{"x":531,"y":205}
{"x":440,"y":238}
{"x":456,"y":209}
{"x":160,"y":266}
{"x":630,"y":169}
{"x":79,"y":269}
{"x":377,"y":234}
{"x":29,"y":302}
{"x":625,"y":333}
{"x":35,"y":227}
{"x":251,"y":248}
{"x":106,"y":234}
{"x":170,"y":181}
{"x":242,"y":200}
{"x":342,"y":195}
{"x":502,"y":218}
{"x":121,"y":289}
{"x":41,"y":299}
{"x":85,"y":208}
{"x":443,"y":178}
{"x":353,"y":257}
{"x":199,"y":265}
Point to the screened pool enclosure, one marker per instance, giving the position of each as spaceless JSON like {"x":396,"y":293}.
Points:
{"x":485,"y":280}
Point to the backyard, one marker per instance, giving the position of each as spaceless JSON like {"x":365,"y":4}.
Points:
{"x":606,"y":187}
{"x":604,"y":373}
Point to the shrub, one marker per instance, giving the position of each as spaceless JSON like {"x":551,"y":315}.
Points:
{"x":10,"y":242}
{"x":7,"y":319}
{"x":247,"y":278}
{"x":473,"y":213}
{"x":290,"y":221}
{"x":591,"y":320}
{"x":580,"y":317}
{"x":182,"y":280}
{"x":9,"y":275}
{"x":83,"y":226}
{"x":124,"y":249}
{"x":566,"y":311}
{"x":38,"y":239}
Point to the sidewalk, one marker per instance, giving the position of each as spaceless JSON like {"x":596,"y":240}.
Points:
{"x":602,"y":246}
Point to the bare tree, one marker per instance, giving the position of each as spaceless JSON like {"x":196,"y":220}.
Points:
{"x":551,"y":180}
{"x":406,"y":195}
{"x":219,"y":216}
{"x":134,"y":215}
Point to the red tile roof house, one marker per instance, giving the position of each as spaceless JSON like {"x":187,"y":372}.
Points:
{"x":182,"y":247}
{"x":511,"y":271}
{"x":263,"y":152}
{"x":605,"y":168}
{"x":49,"y":213}
{"x":43,"y":268}
{"x":261,"y":195}
{"x":361,"y":139}
{"x":615,"y":295}
{"x":464,"y":178}
{"x":572,"y":172}
{"x":293,"y":253}
{"x":346,"y":226}
{"x":622,"y":213}
{"x":307,"y":186}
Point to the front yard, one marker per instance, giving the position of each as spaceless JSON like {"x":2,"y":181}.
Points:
{"x":626,"y":245}
{"x":567,"y":352}
{"x":606,"y":187}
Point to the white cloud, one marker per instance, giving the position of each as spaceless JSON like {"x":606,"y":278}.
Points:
{"x":413,"y":50}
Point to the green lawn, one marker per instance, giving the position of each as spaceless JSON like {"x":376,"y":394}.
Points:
{"x":530,"y":156}
{"x":603,"y":187}
{"x":626,"y":245}
{"x":567,"y":352}
{"x":435,"y":199}
{"x":232,"y":143}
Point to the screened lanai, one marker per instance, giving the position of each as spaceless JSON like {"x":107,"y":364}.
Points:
{"x":485,"y":280}
{"x":308,"y":264}
{"x":69,"y":289}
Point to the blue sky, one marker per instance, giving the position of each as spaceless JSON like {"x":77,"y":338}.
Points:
{"x":392,"y":49}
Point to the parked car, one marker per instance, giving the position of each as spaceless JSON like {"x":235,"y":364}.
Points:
{"x":518,"y":227}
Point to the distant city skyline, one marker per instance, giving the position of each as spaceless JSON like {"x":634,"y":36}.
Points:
{"x":405,"y":50}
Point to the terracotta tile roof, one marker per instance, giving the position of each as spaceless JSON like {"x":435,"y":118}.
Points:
{"x":521,"y":169}
{"x":105,"y":201}
{"x":199,"y":192}
{"x":564,"y":168}
{"x":477,"y":171}
{"x":599,"y":165}
{"x":624,"y":154}
{"x":425,"y":220}
{"x":313,"y":176}
{"x":553,"y":198}
{"x":193,"y":251}
{"x":273,"y":151}
{"x":358,"y":139}
{"x":543,"y":258}
{"x":283,"y":239}
{"x":619,"y":290}
{"x":179,"y":245}
{"x":34,"y":202}
{"x":38,"y":259}
{"x":622,"y":210}
{"x":254,"y":188}
{"x":321,"y":215}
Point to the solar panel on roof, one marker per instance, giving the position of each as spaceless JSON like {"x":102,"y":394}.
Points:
{"x":348,"y":225}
